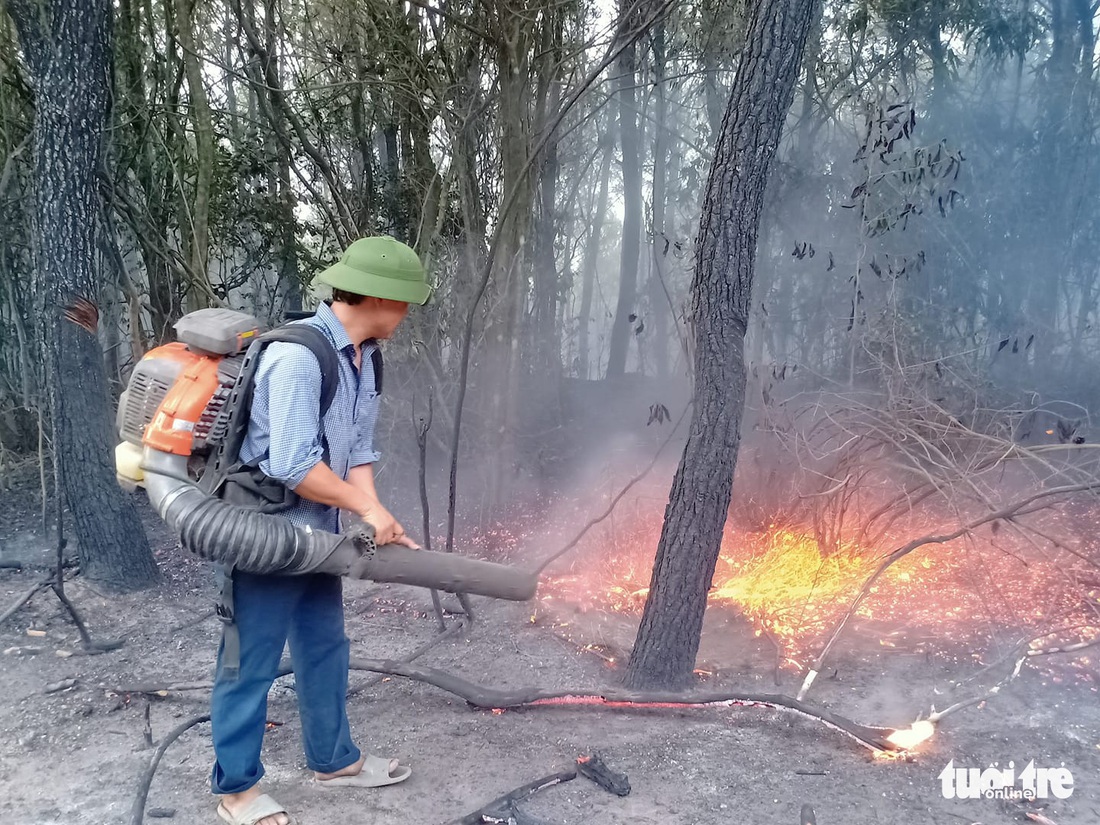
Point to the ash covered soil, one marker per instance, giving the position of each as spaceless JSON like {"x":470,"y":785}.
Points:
{"x":75,"y":755}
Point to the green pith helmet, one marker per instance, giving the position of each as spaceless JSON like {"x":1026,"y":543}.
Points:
{"x":381,"y":267}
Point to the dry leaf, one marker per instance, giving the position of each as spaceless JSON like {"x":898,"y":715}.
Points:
{"x":84,"y":314}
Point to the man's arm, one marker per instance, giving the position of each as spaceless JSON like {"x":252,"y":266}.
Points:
{"x":322,"y":485}
{"x":289,"y":380}
{"x":387,"y":529}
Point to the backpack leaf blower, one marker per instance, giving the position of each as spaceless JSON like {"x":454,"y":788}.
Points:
{"x":181,"y":420}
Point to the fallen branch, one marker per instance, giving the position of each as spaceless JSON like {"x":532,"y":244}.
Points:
{"x":199,"y":619}
{"x":26,"y":597}
{"x":416,"y":654}
{"x":285,"y":669}
{"x":56,"y":687}
{"x":488,"y":698}
{"x":161,"y":689}
{"x":56,"y":582}
{"x":501,"y":806}
{"x":137,"y":813}
{"x":521,"y":817}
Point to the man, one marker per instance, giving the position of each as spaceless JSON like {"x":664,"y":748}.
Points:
{"x":329,"y":464}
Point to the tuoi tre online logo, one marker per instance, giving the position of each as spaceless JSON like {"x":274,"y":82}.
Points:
{"x":1003,"y":783}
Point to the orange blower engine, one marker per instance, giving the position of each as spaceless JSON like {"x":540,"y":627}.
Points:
{"x":181,"y":419}
{"x":177,"y":399}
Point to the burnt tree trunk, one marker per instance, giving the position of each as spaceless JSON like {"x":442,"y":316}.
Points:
{"x":668,"y":639}
{"x":67,"y":44}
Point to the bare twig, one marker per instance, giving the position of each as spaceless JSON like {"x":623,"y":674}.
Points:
{"x":618,"y":497}
{"x":26,"y":597}
{"x":1006,"y":512}
{"x":422,"y":429}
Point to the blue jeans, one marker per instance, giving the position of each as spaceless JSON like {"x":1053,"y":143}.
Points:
{"x":308,"y":612}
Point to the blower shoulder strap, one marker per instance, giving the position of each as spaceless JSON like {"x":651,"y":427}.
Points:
{"x":225,"y":459}
{"x":316,"y":342}
{"x":376,"y":366}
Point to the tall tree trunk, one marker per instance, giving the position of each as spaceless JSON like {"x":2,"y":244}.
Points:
{"x":262,"y":69}
{"x":668,"y":638}
{"x":591,"y":258}
{"x":422,"y":188}
{"x":362,"y":194}
{"x":289,"y":285}
{"x":546,"y":343}
{"x":196,"y":234}
{"x":659,"y":242}
{"x":512,"y":64}
{"x":289,"y":289}
{"x":391,"y":165}
{"x":626,"y":306}
{"x":545,"y":356}
{"x":424,"y":185}
{"x":67,"y":46}
{"x":1057,"y":177}
{"x":150,"y":179}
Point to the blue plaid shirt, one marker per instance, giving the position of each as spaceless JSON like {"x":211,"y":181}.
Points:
{"x":285,"y":432}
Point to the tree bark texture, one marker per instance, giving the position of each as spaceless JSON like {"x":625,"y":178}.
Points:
{"x":66,"y":44}
{"x":668,"y":638}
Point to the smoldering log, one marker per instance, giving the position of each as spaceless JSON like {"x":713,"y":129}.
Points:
{"x":488,"y":698}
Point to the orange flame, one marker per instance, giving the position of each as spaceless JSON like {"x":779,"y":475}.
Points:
{"x":943,"y":597}
{"x":909,"y":738}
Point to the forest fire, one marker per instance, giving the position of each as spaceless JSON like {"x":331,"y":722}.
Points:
{"x":962,"y":599}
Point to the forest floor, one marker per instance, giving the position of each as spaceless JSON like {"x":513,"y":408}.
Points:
{"x":75,"y":755}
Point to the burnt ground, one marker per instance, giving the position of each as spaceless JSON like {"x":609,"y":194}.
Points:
{"x":75,"y":755}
